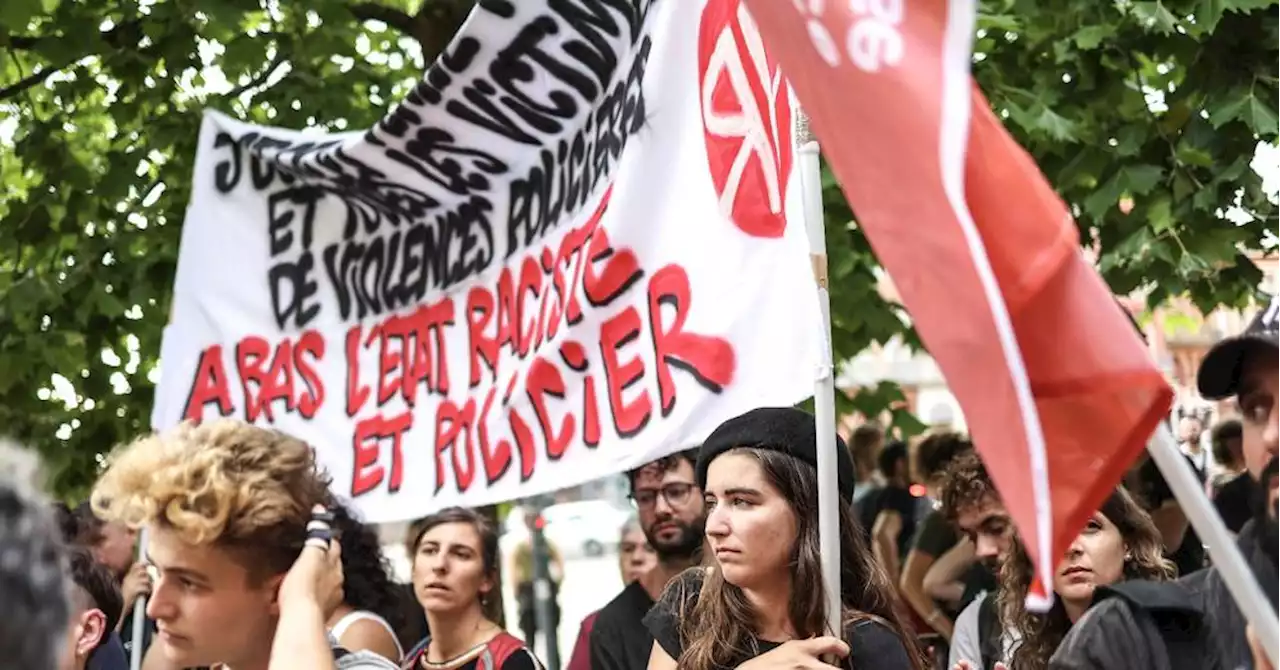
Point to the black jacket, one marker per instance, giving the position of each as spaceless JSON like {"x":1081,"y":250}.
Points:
{"x":1113,"y":635}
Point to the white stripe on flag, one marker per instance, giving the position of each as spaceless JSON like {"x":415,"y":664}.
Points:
{"x":958,"y":53}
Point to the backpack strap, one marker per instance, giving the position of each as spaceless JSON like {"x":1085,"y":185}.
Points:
{"x":411,"y":658}
{"x":499,"y":649}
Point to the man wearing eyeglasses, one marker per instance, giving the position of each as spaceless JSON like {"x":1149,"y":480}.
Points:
{"x":673,"y":516}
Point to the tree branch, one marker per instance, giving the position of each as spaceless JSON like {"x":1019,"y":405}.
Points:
{"x":261,"y":77}
{"x":129,"y":32}
{"x":33,"y":80}
{"x":437,"y":23}
{"x":22,"y":41}
{"x":372,"y":11}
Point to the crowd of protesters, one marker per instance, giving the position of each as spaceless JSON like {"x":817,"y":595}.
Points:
{"x":251,"y":563}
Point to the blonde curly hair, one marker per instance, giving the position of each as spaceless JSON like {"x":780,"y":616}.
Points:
{"x":225,"y":482}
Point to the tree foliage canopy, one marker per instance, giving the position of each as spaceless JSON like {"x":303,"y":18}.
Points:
{"x":1158,"y":103}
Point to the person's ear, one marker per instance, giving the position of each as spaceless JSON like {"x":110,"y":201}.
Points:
{"x":91,"y":631}
{"x":272,"y":589}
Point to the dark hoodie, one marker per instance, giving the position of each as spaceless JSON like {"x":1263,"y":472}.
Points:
{"x":1112,"y":635}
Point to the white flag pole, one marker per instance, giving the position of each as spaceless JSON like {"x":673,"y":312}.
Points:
{"x":1227,"y":559}
{"x":824,"y":405}
{"x":139,"y":612}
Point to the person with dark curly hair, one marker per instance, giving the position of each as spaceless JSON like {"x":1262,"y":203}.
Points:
{"x":1119,"y":542}
{"x":971,"y":502}
{"x":371,"y":612}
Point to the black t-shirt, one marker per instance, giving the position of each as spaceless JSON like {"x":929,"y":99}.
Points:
{"x":873,"y":645}
{"x":1234,"y":501}
{"x":937,"y":536}
{"x":109,"y":655}
{"x":890,"y":498}
{"x":126,"y":633}
{"x":1190,"y":555}
{"x":521,"y":659}
{"x":619,"y":639}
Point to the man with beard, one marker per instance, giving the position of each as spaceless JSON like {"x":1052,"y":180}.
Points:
{"x":970,"y":502}
{"x":1117,"y":632}
{"x":673,"y":515}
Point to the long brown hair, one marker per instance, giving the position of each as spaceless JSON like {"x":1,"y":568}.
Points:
{"x":1042,"y":633}
{"x":719,"y":631}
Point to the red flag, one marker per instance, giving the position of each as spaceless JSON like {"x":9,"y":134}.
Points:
{"x":1058,"y":390}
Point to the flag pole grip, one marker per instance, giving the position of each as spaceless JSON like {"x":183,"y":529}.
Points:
{"x":1226,"y":556}
{"x":824,"y":404}
{"x":139,"y":613}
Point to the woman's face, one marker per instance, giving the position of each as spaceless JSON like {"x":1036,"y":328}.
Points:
{"x":750,"y":527}
{"x":1095,"y":558}
{"x":448,"y":569}
{"x":635,"y":555}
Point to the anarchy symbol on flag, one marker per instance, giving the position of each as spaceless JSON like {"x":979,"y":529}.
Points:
{"x":746,"y":116}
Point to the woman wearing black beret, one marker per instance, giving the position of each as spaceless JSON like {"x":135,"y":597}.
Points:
{"x":760,"y":605}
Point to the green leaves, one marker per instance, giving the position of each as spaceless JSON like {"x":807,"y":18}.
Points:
{"x":1128,"y":180}
{"x":1092,"y":36}
{"x":1254,"y":106}
{"x":1207,"y":14}
{"x":1155,"y":16}
{"x":15,"y":15}
{"x":90,"y":144}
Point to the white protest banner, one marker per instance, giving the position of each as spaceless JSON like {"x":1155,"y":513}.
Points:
{"x":574,"y":248}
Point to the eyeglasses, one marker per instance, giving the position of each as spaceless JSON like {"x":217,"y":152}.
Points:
{"x":675,"y":493}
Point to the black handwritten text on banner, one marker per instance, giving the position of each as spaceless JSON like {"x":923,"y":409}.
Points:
{"x":541,"y":268}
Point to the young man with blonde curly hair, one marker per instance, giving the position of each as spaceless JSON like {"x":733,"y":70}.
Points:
{"x":226,"y":506}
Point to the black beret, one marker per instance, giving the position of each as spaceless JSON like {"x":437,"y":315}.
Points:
{"x":782,"y":429}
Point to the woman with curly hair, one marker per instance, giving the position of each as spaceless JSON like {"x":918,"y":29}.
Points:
{"x":372,"y":611}
{"x":1119,"y":542}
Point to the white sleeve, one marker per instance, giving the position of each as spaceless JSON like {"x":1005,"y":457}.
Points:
{"x":364,"y":660}
{"x":966,"y":643}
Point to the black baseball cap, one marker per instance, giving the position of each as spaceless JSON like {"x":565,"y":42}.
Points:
{"x":1219,"y":375}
